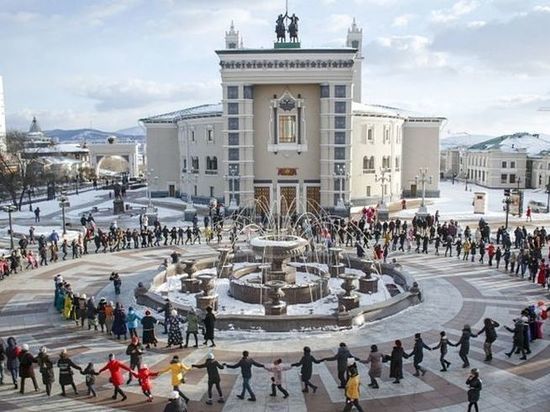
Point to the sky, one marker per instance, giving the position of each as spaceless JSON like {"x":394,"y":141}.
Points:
{"x":482,"y":64}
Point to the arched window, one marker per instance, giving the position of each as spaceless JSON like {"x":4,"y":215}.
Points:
{"x":365,"y":162}
{"x":368,"y":164}
{"x":214,"y":163}
{"x":371,"y":163}
{"x":208,"y":163}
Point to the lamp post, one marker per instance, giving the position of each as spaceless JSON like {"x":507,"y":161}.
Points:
{"x":29,"y":192}
{"x":383,"y":212}
{"x":63,"y":203}
{"x":149,"y":173}
{"x":341,"y":176}
{"x":548,"y":198}
{"x":9,"y":209}
{"x":507,"y":201}
{"x":423,"y":179}
{"x":232,"y":177}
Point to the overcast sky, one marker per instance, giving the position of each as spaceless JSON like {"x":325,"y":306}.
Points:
{"x":483,"y":64}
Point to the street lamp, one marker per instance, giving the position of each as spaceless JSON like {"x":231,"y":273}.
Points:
{"x":383,"y":213}
{"x":341,"y":175}
{"x":232,"y":177}
{"x":63,"y":203}
{"x":9,"y":209}
{"x":548,"y":198}
{"x":422,"y":210}
{"x":507,"y":201}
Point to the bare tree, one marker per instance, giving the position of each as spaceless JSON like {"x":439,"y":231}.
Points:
{"x":21,"y":169}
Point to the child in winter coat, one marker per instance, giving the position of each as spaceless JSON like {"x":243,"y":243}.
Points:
{"x":144,"y":376}
{"x":277,"y":369}
{"x":90,"y":374}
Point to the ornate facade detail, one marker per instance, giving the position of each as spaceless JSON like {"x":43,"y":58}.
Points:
{"x":285,"y":64}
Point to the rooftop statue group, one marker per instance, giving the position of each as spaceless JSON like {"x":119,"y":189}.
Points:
{"x":281,"y":29}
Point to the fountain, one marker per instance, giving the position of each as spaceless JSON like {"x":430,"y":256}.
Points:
{"x":275,"y":306}
{"x":336,"y":268}
{"x":348,"y":299}
{"x":206,"y":298}
{"x":224,"y":266}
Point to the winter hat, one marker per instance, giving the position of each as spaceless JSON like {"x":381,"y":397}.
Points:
{"x":135,"y":340}
{"x":103,"y":300}
{"x":174,"y":312}
{"x":148,"y":313}
{"x":43,"y":349}
{"x":210,"y":356}
{"x":475,"y":371}
{"x":351,"y":361}
{"x":83,"y":296}
{"x":524,"y":319}
{"x":417,"y":335}
{"x":174,"y":395}
{"x":25,"y":347}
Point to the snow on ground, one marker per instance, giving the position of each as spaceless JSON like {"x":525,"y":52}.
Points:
{"x":326,"y":306}
{"x":76,"y":213}
{"x":39,"y":230}
{"x":52,"y":206}
{"x":456,"y":203}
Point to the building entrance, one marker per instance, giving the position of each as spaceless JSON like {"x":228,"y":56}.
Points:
{"x":287,"y":199}
{"x":262,"y":200}
{"x":313,"y":199}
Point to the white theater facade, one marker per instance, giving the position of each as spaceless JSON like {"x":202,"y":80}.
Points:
{"x":291,"y":133}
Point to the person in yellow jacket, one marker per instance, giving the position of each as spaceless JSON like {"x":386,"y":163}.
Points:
{"x":178,"y":370}
{"x":352,"y":389}
{"x":68,"y":306}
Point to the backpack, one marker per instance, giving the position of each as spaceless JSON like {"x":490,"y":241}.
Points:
{"x":544,"y":314}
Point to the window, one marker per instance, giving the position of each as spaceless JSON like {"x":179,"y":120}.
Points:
{"x":512,"y":178}
{"x":504,"y":165}
{"x":338,"y":167}
{"x":232,"y":108}
{"x":195,"y":164}
{"x":233,"y":139}
{"x":233,"y":154}
{"x":339,"y":107}
{"x":337,"y":183}
{"x":325,"y":91}
{"x":233,"y":123}
{"x":370,"y":134}
{"x":287,"y":128}
{"x":512,"y":166}
{"x":339,"y":138}
{"x":368,"y":164}
{"x":386,"y":162}
{"x":211,"y":191}
{"x":339,"y":153}
{"x":340,"y":91}
{"x":503,"y":178}
{"x":339,"y":122}
{"x":184,"y":165}
{"x":368,"y":191}
{"x":248,"y":92}
{"x":232,"y":92}
{"x":211,"y":163}
{"x":386,"y":135}
{"x":195,"y":190}
{"x":210,"y":135}
{"x":355,"y":44}
{"x":192,"y":135}
{"x":397,"y":163}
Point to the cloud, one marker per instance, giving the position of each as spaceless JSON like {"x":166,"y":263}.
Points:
{"x":402,"y":21}
{"x":134,"y":93}
{"x":519,"y":45}
{"x":523,"y":100}
{"x":404,"y":53}
{"x":459,"y":9}
{"x":20,"y":17}
{"x":339,"y":23}
{"x":544,"y":9}
{"x":99,"y":12}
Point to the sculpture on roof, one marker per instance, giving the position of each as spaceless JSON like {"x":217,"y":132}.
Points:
{"x":281,"y":28}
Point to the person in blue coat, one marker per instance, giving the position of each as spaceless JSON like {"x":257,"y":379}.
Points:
{"x":132,"y":320}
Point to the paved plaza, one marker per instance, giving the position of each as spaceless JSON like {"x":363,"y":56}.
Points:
{"x":454,"y":292}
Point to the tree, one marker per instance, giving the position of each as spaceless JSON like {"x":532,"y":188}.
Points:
{"x":21,"y":169}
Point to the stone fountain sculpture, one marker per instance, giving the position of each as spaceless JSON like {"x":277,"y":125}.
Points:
{"x":336,"y":268}
{"x":368,"y":283}
{"x":206,"y":298}
{"x":275,"y":306}
{"x":188,"y":283}
{"x":348,"y":299}
{"x":224,"y":265}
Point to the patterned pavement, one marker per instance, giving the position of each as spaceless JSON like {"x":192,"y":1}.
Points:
{"x":455,"y":293}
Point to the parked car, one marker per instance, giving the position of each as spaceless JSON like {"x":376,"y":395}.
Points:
{"x":537,"y":207}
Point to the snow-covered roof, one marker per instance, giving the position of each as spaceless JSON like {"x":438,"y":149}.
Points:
{"x":205,"y":110}
{"x":376,"y":110}
{"x":532,"y":144}
{"x":35,"y":127}
{"x":58,"y":148}
{"x":59,"y":160}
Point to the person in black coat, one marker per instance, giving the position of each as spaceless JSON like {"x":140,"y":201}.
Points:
{"x":489,"y":328}
{"x":518,"y":339}
{"x":175,"y":403}
{"x":212,"y":366}
{"x":148,"y":323}
{"x":306,"y":371}
{"x":65,"y":373}
{"x":464,"y":344}
{"x":26,"y":369}
{"x":246,"y":364}
{"x":396,"y":362}
{"x":474,"y":385}
{"x":12,"y":363}
{"x":418,"y":354}
{"x":442,"y":346}
{"x":341,"y":358}
{"x":167,"y":310}
{"x":45,"y":366}
{"x":209,"y":322}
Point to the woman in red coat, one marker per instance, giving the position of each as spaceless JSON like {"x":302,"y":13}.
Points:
{"x":144,"y":376}
{"x":114,"y":366}
{"x":541,"y":278}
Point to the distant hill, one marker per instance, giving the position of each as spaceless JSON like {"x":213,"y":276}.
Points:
{"x":462,"y":140}
{"x":94,"y":135}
